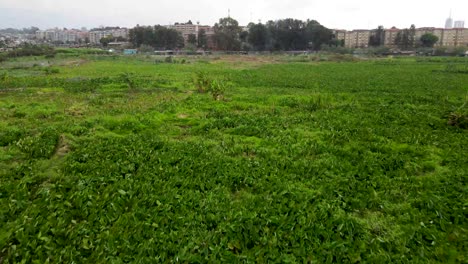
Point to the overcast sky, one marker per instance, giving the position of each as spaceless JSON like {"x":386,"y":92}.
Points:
{"x":333,"y":14}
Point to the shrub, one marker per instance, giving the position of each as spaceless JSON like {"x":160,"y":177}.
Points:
{"x":458,"y":119}
{"x":39,"y":146}
{"x":218,"y":88}
{"x":168,"y":59}
{"x":50,"y":71}
{"x":129,"y":80}
{"x":202,"y":82}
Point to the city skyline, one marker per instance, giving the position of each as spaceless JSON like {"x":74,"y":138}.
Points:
{"x":339,"y":14}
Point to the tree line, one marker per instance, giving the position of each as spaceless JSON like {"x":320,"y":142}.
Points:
{"x":158,"y":37}
{"x":280,"y":35}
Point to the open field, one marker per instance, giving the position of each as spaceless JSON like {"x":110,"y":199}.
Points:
{"x":107,"y":159}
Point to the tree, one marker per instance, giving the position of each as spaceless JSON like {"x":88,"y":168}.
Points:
{"x":428,"y":40}
{"x":412,"y":36}
{"x":402,"y":39}
{"x":192,"y":39}
{"x":377,"y":37}
{"x":227,"y":34}
{"x":317,"y":35}
{"x":257,"y":37}
{"x":287,"y":34}
{"x":202,"y":40}
{"x":406,"y":38}
{"x":158,"y":37}
{"x":105,"y":41}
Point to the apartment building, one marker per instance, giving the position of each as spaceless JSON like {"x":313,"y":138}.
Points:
{"x":455,"y":37}
{"x":390,"y":36}
{"x":452,"y":37}
{"x":61,"y":35}
{"x":340,"y":34}
{"x":439,"y":32}
{"x":358,"y":38}
{"x":193,"y":29}
{"x":95,"y":36}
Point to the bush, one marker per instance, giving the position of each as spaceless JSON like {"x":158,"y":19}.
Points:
{"x":168,"y":59}
{"x":458,"y":119}
{"x":129,"y":80}
{"x":39,"y":146}
{"x":202,"y":82}
{"x":50,"y":71}
{"x":218,"y":88}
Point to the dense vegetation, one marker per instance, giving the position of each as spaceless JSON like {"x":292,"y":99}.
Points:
{"x":279,"y":35}
{"x":253,"y":159}
{"x":28,"y":50}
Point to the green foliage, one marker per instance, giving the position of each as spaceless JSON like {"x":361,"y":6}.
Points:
{"x":168,"y":59}
{"x":30,"y":50}
{"x":428,"y":40}
{"x":202,"y":81}
{"x":192,"y":39}
{"x":309,"y":160}
{"x":129,"y":80}
{"x":226,"y":35}
{"x":258,"y":36}
{"x":202,"y":39}
{"x":50,"y":71}
{"x":217,"y":88}
{"x":158,"y":37}
{"x":377,"y":37}
{"x":39,"y":146}
{"x":405,"y":38}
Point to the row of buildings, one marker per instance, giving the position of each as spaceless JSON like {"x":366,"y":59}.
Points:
{"x":449,"y":37}
{"x":80,"y":36}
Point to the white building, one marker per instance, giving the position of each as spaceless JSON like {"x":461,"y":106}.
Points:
{"x":449,"y":23}
{"x":97,"y":35}
{"x":459,"y":24}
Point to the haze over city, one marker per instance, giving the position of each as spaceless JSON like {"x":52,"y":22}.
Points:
{"x":337,"y":14}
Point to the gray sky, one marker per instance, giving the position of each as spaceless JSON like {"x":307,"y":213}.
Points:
{"x":333,"y":14}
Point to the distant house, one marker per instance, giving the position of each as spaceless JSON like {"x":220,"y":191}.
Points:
{"x":130,"y":52}
{"x":118,"y":45}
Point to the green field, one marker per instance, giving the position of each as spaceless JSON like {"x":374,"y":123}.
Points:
{"x":108,"y":159}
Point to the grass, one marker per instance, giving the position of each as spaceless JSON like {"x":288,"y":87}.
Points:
{"x":118,"y":159}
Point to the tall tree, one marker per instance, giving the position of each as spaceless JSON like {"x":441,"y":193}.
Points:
{"x":428,"y":40}
{"x":192,"y":39}
{"x":402,"y":39}
{"x":287,"y":34}
{"x":202,"y":39}
{"x":412,"y":36}
{"x":317,"y":35}
{"x":257,"y":37}
{"x":227,"y":34}
{"x":377,"y":37}
{"x":158,"y":37}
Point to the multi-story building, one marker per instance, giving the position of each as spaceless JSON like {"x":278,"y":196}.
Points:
{"x":455,"y":37}
{"x":59,"y":35}
{"x":358,"y":38}
{"x":459,"y":24}
{"x":438,"y":32}
{"x":193,"y":29}
{"x":95,"y":36}
{"x":340,"y":34}
{"x":390,"y":36}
